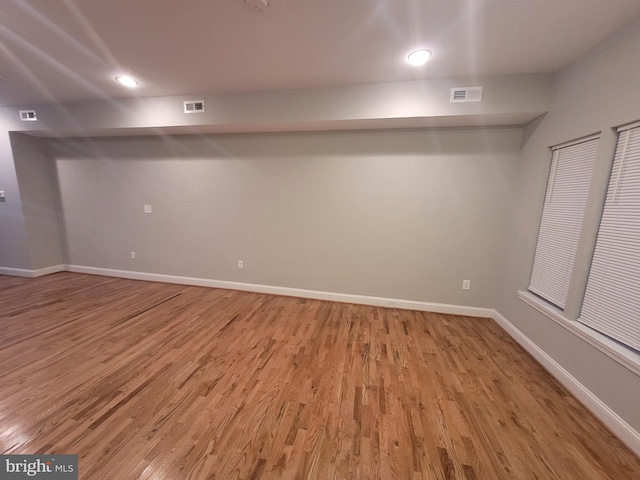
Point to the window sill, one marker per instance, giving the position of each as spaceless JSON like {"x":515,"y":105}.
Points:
{"x":624,"y":356}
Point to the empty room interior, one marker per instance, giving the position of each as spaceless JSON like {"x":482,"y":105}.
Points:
{"x":321,"y":239}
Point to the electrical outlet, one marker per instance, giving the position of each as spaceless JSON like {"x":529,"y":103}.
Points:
{"x":133,"y":255}
{"x":466,"y":284}
{"x":148,"y":209}
{"x":240,"y":264}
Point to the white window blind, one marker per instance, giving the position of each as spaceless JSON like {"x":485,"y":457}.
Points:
{"x":565,"y":201}
{"x":612,"y":298}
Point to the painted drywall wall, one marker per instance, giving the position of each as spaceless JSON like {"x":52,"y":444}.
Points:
{"x":39,"y":196}
{"x":597,"y":92}
{"x":507,"y":100}
{"x":401,"y":214}
{"x":13,"y":235}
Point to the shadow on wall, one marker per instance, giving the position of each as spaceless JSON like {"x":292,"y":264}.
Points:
{"x":282,"y":145}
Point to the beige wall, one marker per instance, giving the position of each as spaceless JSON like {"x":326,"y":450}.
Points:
{"x":596,"y":93}
{"x":401,"y":214}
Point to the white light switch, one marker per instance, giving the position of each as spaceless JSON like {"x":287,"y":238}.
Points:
{"x":147,"y":209}
{"x":1,"y":193}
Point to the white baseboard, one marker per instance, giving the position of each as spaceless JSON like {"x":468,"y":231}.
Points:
{"x":291,"y":292}
{"x":617,"y":425}
{"x":23,"y":272}
{"x":49,"y":270}
{"x":17,"y":272}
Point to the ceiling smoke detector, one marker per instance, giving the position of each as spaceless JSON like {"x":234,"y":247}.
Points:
{"x":257,"y":5}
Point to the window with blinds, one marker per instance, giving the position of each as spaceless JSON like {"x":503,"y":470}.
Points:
{"x":612,"y":298}
{"x":564,"y":205}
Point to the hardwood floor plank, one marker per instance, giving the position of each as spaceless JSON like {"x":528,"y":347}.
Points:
{"x":148,"y":381}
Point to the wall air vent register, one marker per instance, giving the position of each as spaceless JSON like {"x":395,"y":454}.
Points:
{"x":194,"y":106}
{"x":466,"y":95}
{"x":28,"y":116}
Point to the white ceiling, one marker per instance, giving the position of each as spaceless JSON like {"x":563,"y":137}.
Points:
{"x":70,"y":50}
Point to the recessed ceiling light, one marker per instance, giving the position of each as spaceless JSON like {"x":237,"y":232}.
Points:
{"x":127,"y":81}
{"x":419,"y":57}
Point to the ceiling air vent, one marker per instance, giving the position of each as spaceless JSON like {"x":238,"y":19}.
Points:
{"x":28,"y":116}
{"x":194,"y":106}
{"x":466,"y":94}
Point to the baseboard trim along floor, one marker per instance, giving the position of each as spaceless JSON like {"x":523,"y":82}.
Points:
{"x":290,"y":292}
{"x":615,"y":423}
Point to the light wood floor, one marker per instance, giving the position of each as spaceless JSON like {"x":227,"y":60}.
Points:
{"x":156,"y":381}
